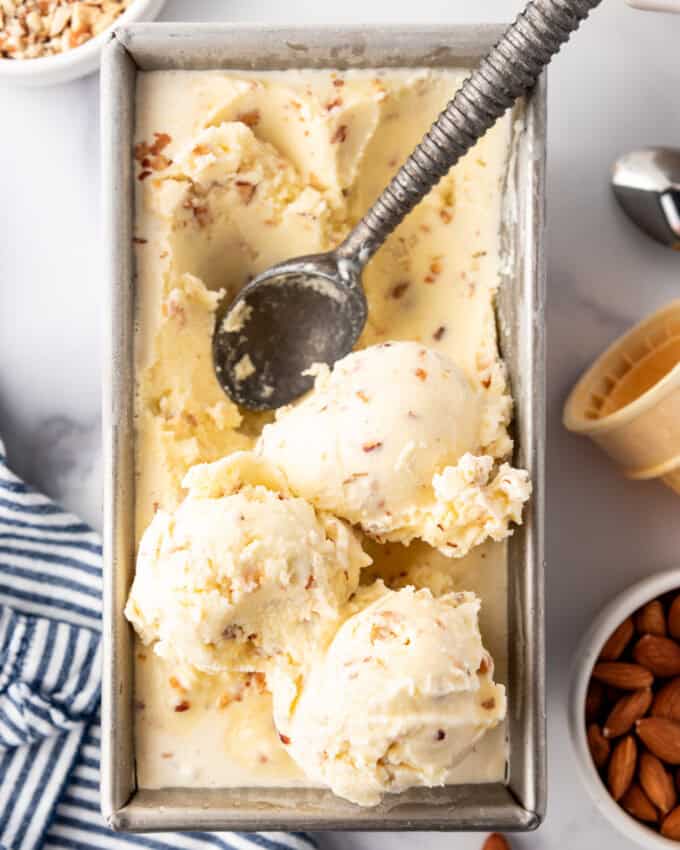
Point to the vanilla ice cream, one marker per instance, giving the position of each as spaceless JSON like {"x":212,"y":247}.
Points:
{"x":241,"y":572}
{"x":234,"y":171}
{"x":403,"y":693}
{"x":395,"y":439}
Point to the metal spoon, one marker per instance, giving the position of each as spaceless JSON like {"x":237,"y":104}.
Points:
{"x":646,"y":184}
{"x":312,"y":309}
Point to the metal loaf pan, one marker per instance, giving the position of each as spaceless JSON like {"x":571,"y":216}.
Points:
{"x":517,"y":804}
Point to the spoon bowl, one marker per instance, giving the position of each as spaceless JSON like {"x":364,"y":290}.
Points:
{"x":297,"y":313}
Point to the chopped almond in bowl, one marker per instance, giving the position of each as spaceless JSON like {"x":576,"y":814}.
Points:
{"x":51,"y":41}
{"x":30,"y":29}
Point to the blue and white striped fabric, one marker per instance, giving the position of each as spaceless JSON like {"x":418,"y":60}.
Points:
{"x":50,"y":608}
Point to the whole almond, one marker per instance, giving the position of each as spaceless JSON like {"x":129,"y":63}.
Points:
{"x":612,"y":695}
{"x":667,"y":701}
{"x":650,"y":619}
{"x":674,"y":618}
{"x":659,"y":655}
{"x":622,"y":767}
{"x":496,"y":841}
{"x":657,"y":783}
{"x":617,"y":641}
{"x":618,"y":674}
{"x":599,"y":745}
{"x":670,"y":827}
{"x":638,"y":804}
{"x":594,"y":700}
{"x":661,"y":736}
{"x":627,"y":710}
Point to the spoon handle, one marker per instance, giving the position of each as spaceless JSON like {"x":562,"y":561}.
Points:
{"x":505,"y":73}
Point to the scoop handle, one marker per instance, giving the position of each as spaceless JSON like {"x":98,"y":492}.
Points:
{"x":509,"y":70}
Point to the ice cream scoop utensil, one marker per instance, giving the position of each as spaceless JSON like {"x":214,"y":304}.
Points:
{"x":312,"y":309}
{"x":646,"y":184}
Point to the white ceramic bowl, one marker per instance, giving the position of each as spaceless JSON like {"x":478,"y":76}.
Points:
{"x":77,"y":62}
{"x":656,"y":5}
{"x":606,"y":621}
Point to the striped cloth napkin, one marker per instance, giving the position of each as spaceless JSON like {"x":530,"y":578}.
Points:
{"x":50,"y":680}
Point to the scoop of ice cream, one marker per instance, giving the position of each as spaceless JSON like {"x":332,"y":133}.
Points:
{"x":241,"y":571}
{"x":402,"y":694}
{"x":184,"y":417}
{"x":236,"y":206}
{"x":392,"y":440}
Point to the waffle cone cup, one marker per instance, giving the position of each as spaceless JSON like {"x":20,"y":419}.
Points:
{"x":628,"y":402}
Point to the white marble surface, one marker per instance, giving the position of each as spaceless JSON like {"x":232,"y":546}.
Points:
{"x":614,"y":88}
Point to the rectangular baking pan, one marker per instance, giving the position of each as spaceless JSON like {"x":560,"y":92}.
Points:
{"x":517,"y":804}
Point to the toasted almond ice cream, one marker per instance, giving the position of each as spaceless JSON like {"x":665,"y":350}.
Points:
{"x":396,"y":439}
{"x":241,"y":572}
{"x":234,"y":171}
{"x":477,"y":500}
{"x":187,"y":418}
{"x":402,"y":694}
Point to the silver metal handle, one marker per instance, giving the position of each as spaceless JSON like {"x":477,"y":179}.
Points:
{"x":509,"y":69}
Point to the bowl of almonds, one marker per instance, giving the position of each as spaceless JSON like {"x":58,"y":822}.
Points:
{"x":52,"y":41}
{"x":625,"y":711}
